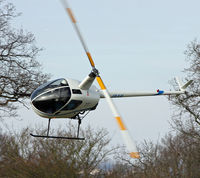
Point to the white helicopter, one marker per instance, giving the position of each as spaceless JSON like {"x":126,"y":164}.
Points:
{"x":68,"y":98}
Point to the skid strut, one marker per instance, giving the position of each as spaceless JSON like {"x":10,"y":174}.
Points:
{"x":60,"y":137}
{"x":79,"y":123}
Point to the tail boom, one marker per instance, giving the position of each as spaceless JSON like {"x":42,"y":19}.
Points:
{"x":158,"y":92}
{"x":140,"y":94}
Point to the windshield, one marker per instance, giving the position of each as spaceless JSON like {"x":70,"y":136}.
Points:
{"x":48,"y":86}
{"x":52,"y":101}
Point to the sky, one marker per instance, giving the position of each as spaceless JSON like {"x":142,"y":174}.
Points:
{"x":137,"y":45}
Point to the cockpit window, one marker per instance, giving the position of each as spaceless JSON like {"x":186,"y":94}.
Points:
{"x":52,"y":101}
{"x":48,"y":86}
{"x":58,"y":83}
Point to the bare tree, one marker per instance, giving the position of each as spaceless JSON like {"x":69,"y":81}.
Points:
{"x":188,"y":105}
{"x":177,"y":155}
{"x":24,"y":156}
{"x":20,"y":72}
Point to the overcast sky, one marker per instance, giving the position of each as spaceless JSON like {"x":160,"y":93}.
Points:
{"x":136,"y":44}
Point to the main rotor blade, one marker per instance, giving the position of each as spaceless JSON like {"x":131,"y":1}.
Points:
{"x":130,"y":144}
{"x":74,"y":22}
{"x":125,"y":134}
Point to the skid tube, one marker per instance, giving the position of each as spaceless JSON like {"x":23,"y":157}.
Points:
{"x":48,"y":136}
{"x":60,"y":137}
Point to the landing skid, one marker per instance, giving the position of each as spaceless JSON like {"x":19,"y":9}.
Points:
{"x":59,"y":137}
{"x":45,"y":136}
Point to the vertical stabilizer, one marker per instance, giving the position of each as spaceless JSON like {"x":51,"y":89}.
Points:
{"x":182,"y":86}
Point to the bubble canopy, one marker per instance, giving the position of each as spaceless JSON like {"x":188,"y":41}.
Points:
{"x":51,"y":96}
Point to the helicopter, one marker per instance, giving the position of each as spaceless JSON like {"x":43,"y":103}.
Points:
{"x":73,"y":99}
